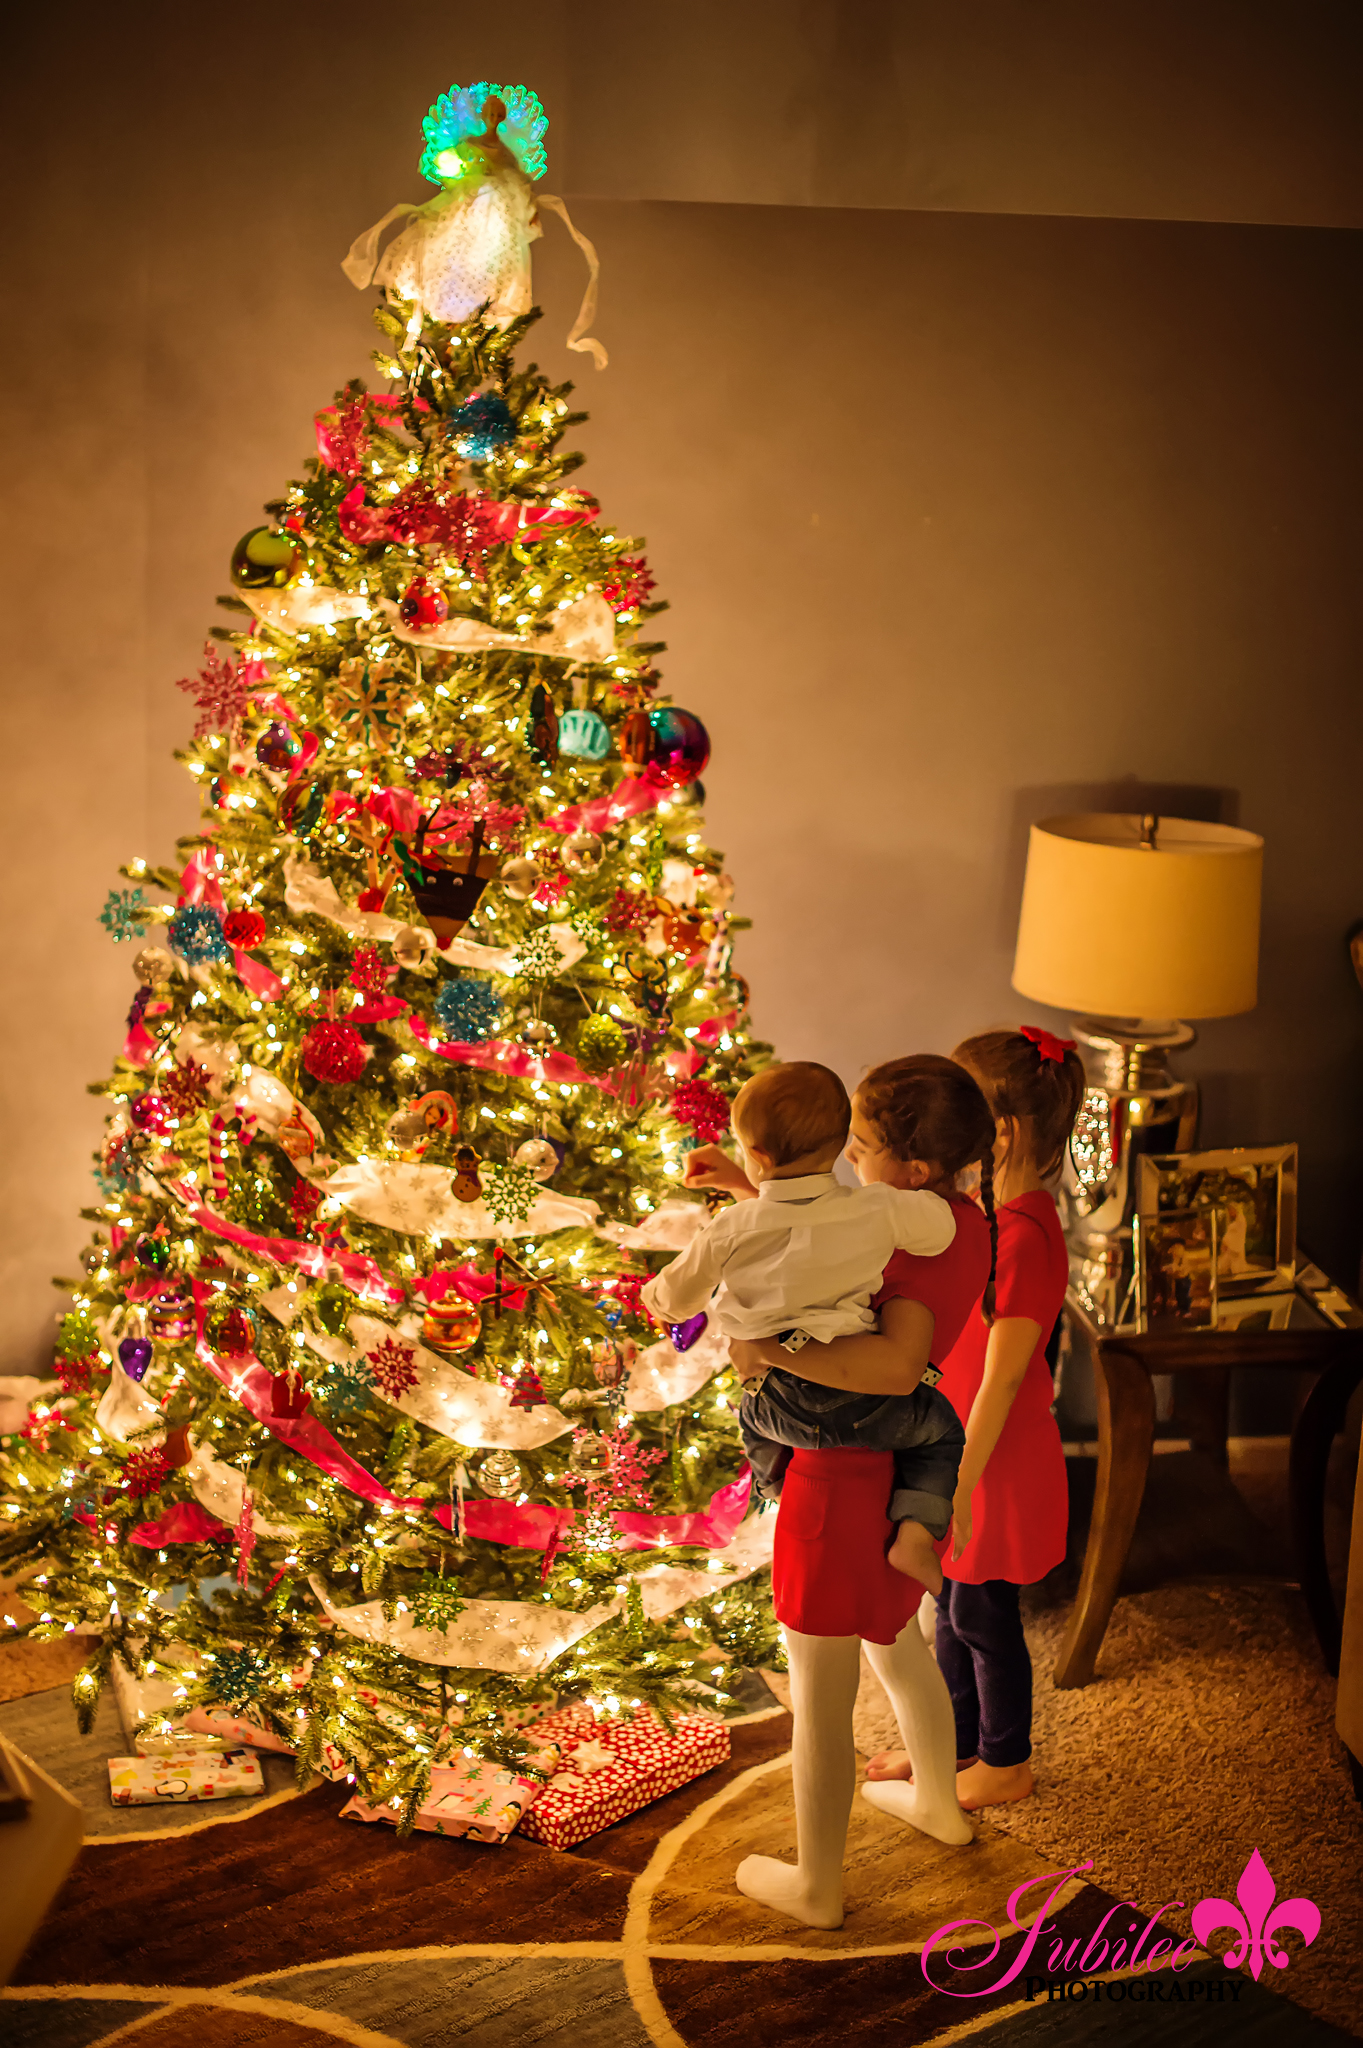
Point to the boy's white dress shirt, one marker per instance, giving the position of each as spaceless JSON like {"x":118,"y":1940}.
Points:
{"x":806,"y":1255}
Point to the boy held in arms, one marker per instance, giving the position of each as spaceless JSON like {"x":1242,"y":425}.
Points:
{"x":802,"y":1261}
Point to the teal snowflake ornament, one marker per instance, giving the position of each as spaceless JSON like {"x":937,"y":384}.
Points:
{"x":238,"y":1676}
{"x":346,"y":1388}
{"x":509,"y":1191}
{"x":119,"y":916}
{"x":457,"y":117}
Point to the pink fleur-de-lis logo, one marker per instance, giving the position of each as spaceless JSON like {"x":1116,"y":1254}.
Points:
{"x":1256,"y":1919}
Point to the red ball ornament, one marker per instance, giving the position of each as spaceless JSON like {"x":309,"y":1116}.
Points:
{"x":368,"y":973}
{"x":243,"y":928}
{"x":334,"y":1052}
{"x":672,"y":742}
{"x":421,"y":605}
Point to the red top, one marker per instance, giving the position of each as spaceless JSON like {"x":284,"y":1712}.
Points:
{"x":1020,"y":1508}
{"x":949,"y":1285}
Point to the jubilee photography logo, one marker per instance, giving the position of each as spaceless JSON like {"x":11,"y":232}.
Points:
{"x":1109,"y":1964}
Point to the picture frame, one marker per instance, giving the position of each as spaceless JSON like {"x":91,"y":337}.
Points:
{"x":1256,"y":1312}
{"x":1176,"y":1262}
{"x":1255,"y":1189}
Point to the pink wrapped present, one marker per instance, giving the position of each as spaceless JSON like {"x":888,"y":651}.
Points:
{"x":474,"y":1797}
{"x":235,"y":1729}
{"x":609,"y":1769}
{"x":174,"y":1780}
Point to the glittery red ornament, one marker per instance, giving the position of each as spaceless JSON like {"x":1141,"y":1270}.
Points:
{"x":185,"y":1088}
{"x":700,"y":1104}
{"x":145,"y":1472}
{"x":304,"y":1202}
{"x":368,"y":973}
{"x":334,"y":1052}
{"x":243,"y":928}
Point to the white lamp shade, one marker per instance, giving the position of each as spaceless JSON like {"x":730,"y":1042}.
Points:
{"x":1115,"y":928}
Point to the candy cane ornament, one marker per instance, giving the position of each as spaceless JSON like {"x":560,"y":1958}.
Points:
{"x":245,"y":1121}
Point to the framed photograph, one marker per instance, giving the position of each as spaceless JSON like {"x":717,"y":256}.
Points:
{"x":1257,"y":1312}
{"x":1176,"y":1270}
{"x":1254,"y":1189}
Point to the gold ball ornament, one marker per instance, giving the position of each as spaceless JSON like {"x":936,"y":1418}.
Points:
{"x":520,"y":878}
{"x":499,"y":1474}
{"x":601,"y":1044}
{"x":153,"y":965}
{"x":412,"y":946}
{"x":537,"y":1156}
{"x":583,"y":853}
{"x":451,"y":1325}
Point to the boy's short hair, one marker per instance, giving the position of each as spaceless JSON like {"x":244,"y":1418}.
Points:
{"x":793,"y":1110}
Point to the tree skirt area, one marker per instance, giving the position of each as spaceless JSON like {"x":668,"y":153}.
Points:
{"x":1207,"y":1734}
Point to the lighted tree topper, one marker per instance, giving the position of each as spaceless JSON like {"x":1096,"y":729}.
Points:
{"x":444,"y":994}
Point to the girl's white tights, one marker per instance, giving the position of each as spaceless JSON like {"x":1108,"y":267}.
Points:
{"x":824,"y":1671}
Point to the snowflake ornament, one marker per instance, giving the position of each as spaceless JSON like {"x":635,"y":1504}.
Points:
{"x":238,"y":1676}
{"x":392,"y":1367}
{"x":435,"y":1602}
{"x":347,"y":1388}
{"x":222,"y":690}
{"x":119,"y":916}
{"x":185,"y":1088}
{"x":539,"y":956}
{"x":509,"y":1191}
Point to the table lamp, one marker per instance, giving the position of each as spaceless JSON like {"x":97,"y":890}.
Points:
{"x":1138,"y":923}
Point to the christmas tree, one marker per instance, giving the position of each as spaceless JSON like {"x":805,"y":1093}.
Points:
{"x":363,"y":1433}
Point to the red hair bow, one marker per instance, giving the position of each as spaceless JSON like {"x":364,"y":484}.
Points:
{"x":1047,"y":1044}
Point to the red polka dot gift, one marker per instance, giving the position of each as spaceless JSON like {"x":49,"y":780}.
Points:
{"x":609,"y":1769}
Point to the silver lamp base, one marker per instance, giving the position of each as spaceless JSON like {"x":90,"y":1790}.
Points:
{"x":1132,"y":1105}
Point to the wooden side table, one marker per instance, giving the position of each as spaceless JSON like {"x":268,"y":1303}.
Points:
{"x":1313,"y":1341}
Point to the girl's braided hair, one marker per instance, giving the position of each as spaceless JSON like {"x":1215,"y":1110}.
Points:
{"x":927,"y":1107}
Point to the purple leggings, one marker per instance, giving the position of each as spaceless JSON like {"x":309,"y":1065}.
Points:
{"x":984,"y":1659}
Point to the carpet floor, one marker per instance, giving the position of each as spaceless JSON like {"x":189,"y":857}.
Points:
{"x":1206,"y":1735}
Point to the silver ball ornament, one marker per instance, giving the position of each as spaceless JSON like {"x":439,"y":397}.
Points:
{"x":408,"y":1128}
{"x":537,"y":1156}
{"x":412,"y":946}
{"x":588,"y":1453}
{"x":499,"y":1474}
{"x":539,"y":1031}
{"x":520,"y":878}
{"x":583,"y":853}
{"x":153,"y":964}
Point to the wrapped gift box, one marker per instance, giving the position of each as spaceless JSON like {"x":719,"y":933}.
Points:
{"x":474,"y":1797}
{"x":174,"y":1780}
{"x":180,"y":1742}
{"x":232,"y":1730}
{"x":609,"y":1769}
{"x":151,"y":1698}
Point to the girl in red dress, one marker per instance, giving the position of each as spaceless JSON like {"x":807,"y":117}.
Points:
{"x":915,"y":1123}
{"x":1011,"y":1505}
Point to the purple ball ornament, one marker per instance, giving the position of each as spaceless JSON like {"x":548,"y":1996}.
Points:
{"x":684,"y":1335}
{"x":134,"y":1355}
{"x":277,"y":748}
{"x":670,"y":741}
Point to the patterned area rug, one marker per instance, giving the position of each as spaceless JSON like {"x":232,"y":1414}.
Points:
{"x":273,"y":1922}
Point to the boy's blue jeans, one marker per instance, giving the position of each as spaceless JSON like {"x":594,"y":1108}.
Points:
{"x":922,"y":1429}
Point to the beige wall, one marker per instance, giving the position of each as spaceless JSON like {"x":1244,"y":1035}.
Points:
{"x":958,"y":514}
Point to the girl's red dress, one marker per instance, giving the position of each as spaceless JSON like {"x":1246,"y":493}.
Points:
{"x":1020,"y":1507}
{"x":829,"y":1576}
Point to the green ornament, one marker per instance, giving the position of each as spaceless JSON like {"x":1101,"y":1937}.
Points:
{"x":263,"y":559}
{"x":601,"y":1044}
{"x":435,"y":1601}
{"x":508,"y":1190}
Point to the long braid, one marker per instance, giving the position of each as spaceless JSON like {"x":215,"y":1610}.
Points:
{"x":991,"y":1214}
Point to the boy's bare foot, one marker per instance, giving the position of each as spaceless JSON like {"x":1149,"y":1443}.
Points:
{"x":912,"y":1553}
{"x":993,"y":1784}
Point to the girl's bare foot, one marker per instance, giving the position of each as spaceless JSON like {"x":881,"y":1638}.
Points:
{"x":993,"y":1785}
{"x":912,"y":1553}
